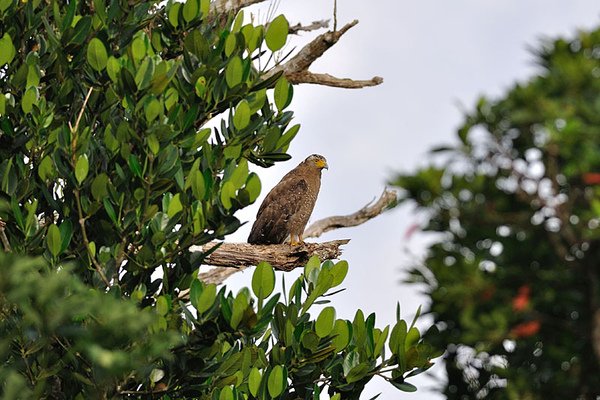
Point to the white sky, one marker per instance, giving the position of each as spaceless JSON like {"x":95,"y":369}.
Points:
{"x":435,"y":57}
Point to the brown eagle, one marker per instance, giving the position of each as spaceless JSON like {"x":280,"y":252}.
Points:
{"x":287,"y":207}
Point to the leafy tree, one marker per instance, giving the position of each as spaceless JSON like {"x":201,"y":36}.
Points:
{"x":513,"y":277}
{"x":110,"y":173}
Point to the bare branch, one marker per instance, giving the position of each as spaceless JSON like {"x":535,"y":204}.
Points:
{"x":233,"y":6}
{"x":328,"y":80}
{"x":236,"y":257}
{"x":295,"y":29}
{"x":296,"y":68}
{"x":388,"y":198}
{"x":281,"y":256}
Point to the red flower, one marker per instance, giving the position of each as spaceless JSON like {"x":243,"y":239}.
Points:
{"x":521,"y":300}
{"x":591,"y":178}
{"x":526,"y":329}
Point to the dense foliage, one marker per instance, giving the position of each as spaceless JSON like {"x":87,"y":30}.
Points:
{"x":513,"y":275}
{"x":126,"y":130}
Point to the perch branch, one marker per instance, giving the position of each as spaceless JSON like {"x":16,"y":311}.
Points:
{"x":369,"y":211}
{"x":239,"y":256}
{"x":296,"y":68}
{"x":236,"y":257}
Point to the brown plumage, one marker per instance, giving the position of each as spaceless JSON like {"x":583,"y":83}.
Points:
{"x":286,"y":209}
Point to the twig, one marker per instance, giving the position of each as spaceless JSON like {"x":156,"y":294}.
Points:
{"x":86,"y":241}
{"x":387,"y":199}
{"x":295,"y":29}
{"x":3,"y":236}
{"x":334,"y":15}
{"x":87,"y":97}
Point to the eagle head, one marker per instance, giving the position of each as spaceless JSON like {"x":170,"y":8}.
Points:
{"x":316,"y":160}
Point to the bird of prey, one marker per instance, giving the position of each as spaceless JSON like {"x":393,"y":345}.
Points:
{"x":287,"y":207}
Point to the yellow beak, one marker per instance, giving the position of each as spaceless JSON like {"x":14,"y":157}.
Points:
{"x":322,"y":164}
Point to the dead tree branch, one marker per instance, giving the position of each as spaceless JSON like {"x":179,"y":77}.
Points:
{"x":296,"y":68}
{"x":371,"y":210}
{"x":230,"y":6}
{"x":295,"y":29}
{"x":236,"y":257}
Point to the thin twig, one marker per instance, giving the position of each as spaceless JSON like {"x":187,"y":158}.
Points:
{"x":86,"y":241}
{"x":334,"y":15}
{"x":87,"y":97}
{"x":3,"y":236}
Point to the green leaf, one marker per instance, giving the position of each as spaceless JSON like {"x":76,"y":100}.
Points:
{"x":196,"y":290}
{"x":358,"y":372}
{"x":198,"y":185}
{"x":96,"y":54}
{"x":153,"y":144}
{"x":404,"y":386}
{"x":152,"y":109}
{"x":53,"y":240}
{"x":139,"y":48}
{"x":351,"y":360}
{"x":339,"y":272}
{"x":7,"y":49}
{"x":263,"y":280}
{"x":134,"y":165}
{"x":240,"y":303}
{"x":239,"y":175}
{"x":175,"y":206}
{"x":227,"y":193}
{"x":241,"y":117}
{"x":277,"y":33}
{"x":144,"y":74}
{"x":200,"y":87}
{"x":226,"y":393}
{"x":341,"y":335}
{"x":46,"y":168}
{"x":254,"y":379}
{"x":66,"y":233}
{"x":162,"y":306}
{"x":29,"y":99}
{"x":237,"y":23}
{"x":253,"y":186}
{"x":234,"y":72}
{"x":2,"y":104}
{"x":173,"y":14}
{"x":230,"y":44}
{"x":204,"y":7}
{"x":190,"y":10}
{"x":412,"y":337}
{"x":100,"y":186}
{"x":277,"y":381}
{"x":113,"y":68}
{"x":81,"y":168}
{"x":282,"y":93}
{"x":312,"y":264}
{"x":325,"y":322}
{"x":202,"y":297}
{"x":287,"y":137}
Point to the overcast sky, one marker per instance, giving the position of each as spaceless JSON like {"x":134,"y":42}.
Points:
{"x":436,"y":58}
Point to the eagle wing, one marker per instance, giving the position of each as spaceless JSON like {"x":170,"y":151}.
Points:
{"x":282,"y":202}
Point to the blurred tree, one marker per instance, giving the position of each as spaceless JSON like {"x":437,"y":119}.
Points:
{"x":513,"y":275}
{"x":109,"y":174}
